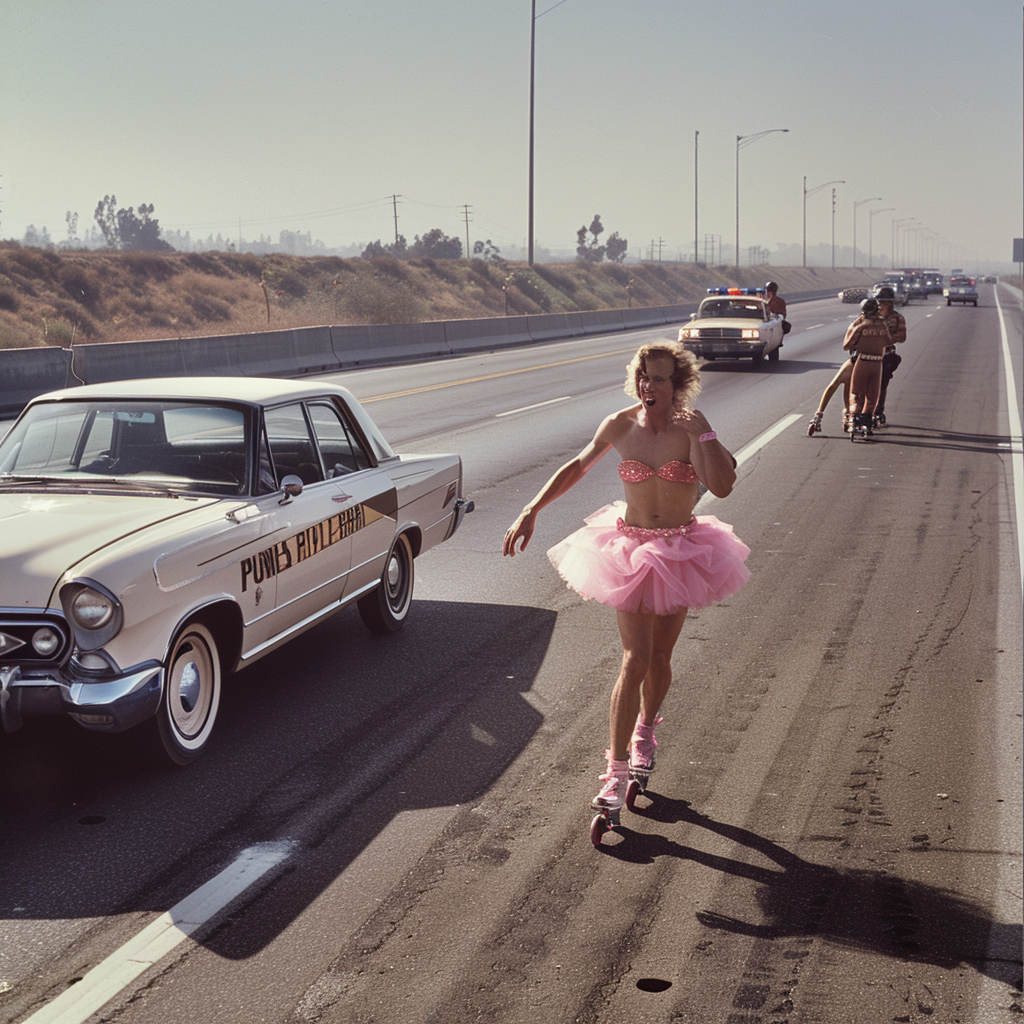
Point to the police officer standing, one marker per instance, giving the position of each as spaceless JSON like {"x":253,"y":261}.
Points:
{"x":897,"y":326}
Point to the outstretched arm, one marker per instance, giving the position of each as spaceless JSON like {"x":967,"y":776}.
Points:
{"x":566,"y":477}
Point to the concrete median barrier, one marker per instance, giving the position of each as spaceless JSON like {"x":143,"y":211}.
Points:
{"x":284,"y":353}
{"x":128,"y":360}
{"x":546,"y":326}
{"x":596,"y":320}
{"x":492,"y":332}
{"x":377,"y":344}
{"x":27,"y":372}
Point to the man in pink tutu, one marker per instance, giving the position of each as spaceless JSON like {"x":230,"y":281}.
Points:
{"x":648,"y":557}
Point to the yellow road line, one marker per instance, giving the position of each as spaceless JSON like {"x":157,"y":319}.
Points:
{"x":492,"y":376}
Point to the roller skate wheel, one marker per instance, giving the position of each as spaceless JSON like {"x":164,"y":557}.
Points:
{"x":598,"y":827}
{"x":633,"y":790}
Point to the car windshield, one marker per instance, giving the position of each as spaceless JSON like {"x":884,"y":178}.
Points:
{"x":732,"y":308}
{"x":182,"y":446}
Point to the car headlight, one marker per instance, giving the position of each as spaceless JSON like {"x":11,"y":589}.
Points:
{"x":46,"y":641}
{"x":750,"y":334}
{"x":93,"y":611}
{"x":688,"y":332}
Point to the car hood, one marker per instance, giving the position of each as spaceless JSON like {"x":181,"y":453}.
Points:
{"x":42,"y":535}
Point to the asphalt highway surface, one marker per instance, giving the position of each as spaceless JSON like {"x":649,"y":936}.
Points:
{"x":397,"y":829}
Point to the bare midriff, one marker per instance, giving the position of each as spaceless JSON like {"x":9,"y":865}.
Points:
{"x":657,"y":504}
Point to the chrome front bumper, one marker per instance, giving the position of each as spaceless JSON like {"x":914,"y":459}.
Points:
{"x":106,"y":705}
{"x":725,"y":349}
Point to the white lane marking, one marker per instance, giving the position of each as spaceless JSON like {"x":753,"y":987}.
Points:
{"x":1016,"y":439}
{"x":813,"y":327}
{"x":1004,"y":905}
{"x":536,"y":405}
{"x":769,"y":435}
{"x":751,"y":449}
{"x":77,"y":1003}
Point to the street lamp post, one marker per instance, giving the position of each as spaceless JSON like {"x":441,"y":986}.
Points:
{"x":833,"y":229}
{"x":695,"y":260}
{"x":810,"y":192}
{"x":895,"y":228}
{"x":741,"y":142}
{"x":533,"y":37}
{"x":871,"y":224}
{"x":860,"y":202}
{"x":916,"y":260}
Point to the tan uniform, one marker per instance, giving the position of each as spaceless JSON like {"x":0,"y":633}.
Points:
{"x":898,"y":329}
{"x":870,"y":336}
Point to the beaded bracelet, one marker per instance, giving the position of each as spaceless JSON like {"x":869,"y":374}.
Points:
{"x":709,"y":436}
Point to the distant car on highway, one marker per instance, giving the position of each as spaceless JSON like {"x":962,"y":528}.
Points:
{"x":897,"y":286}
{"x":734,"y":323}
{"x":915,"y":286}
{"x":961,"y":289}
{"x":990,"y":279}
{"x":857,"y":294}
{"x":158,"y":534}
{"x":933,"y":281}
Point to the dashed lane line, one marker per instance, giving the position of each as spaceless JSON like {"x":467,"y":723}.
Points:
{"x":536,"y":405}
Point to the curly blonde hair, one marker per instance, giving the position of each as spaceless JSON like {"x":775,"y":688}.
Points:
{"x":685,"y":376}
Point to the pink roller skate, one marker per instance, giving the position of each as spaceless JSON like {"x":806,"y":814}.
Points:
{"x":608,"y":803}
{"x":641,"y":759}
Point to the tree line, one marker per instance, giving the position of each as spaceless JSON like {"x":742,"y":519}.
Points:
{"x":126,"y":230}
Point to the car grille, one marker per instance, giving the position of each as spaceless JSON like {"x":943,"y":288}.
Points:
{"x":730,"y":333}
{"x":17,"y":630}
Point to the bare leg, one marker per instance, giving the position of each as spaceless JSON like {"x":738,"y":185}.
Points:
{"x":646,"y":674}
{"x":841,"y":377}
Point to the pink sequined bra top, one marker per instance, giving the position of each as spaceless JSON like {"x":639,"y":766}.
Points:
{"x":633,"y":472}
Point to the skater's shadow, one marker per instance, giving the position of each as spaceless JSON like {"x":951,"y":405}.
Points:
{"x":869,"y":910}
{"x":948,"y":440}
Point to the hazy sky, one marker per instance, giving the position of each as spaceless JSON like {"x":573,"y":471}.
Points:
{"x":308,"y":115}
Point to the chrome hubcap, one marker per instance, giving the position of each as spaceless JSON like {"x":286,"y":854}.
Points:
{"x":188,"y":689}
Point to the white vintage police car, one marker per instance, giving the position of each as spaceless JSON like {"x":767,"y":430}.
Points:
{"x":155,"y":535}
{"x":734,"y":323}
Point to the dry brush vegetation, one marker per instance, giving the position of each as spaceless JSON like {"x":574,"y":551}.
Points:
{"x":49,"y":297}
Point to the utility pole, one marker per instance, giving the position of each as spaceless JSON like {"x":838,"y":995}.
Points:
{"x":465,"y":213}
{"x":695,"y":134}
{"x":533,"y":47}
{"x":833,"y":229}
{"x":394,"y":203}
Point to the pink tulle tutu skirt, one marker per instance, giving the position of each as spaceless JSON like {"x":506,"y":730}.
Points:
{"x":659,"y":571}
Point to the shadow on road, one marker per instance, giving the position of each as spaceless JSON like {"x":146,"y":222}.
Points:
{"x":310,"y":740}
{"x":869,"y":910}
{"x":906,"y":436}
{"x":786,"y":367}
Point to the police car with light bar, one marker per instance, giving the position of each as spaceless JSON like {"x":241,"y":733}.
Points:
{"x":734,"y":323}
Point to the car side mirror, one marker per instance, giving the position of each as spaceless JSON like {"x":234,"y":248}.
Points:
{"x":292,"y":487}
